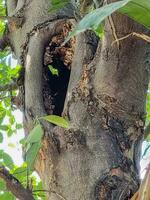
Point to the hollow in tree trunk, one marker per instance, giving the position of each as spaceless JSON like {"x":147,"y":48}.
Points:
{"x":100,"y":88}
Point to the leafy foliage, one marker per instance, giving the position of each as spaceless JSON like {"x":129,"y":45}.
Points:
{"x":7,"y":74}
{"x":2,"y":8}
{"x":2,"y":13}
{"x":6,"y":195}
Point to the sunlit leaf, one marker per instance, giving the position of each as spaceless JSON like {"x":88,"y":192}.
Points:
{"x":31,"y":154}
{"x":53,"y":70}
{"x":19,"y":126}
{"x":57,"y":120}
{"x":7,"y":196}
{"x":6,"y":159}
{"x":2,"y":185}
{"x":4,"y":127}
{"x":11,"y":119}
{"x":2,"y":27}
{"x":139,"y":10}
{"x":99,"y":31}
{"x":33,"y":144}
{"x":35,"y":135}
{"x":23,"y":141}
{"x":21,"y":172}
{"x":10,"y":132}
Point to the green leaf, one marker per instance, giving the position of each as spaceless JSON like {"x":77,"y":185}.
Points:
{"x":23,"y":141}
{"x":11,"y":119}
{"x":10,"y":132}
{"x":4,"y":127}
{"x":2,"y":28}
{"x":2,"y":185}
{"x":19,"y":126}
{"x":7,"y":196}
{"x":57,"y":120}
{"x":20,"y":173}
{"x":139,"y":10}
{"x":6,"y":159}
{"x":1,"y":137}
{"x":2,"y":112}
{"x":94,"y":18}
{"x":33,"y":144}
{"x":99,"y":31}
{"x":35,"y":135}
{"x":53,"y":70}
{"x":31,"y":154}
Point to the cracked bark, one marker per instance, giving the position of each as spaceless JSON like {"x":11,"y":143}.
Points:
{"x":97,"y":158}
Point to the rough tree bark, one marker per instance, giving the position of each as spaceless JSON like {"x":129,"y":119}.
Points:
{"x":98,"y":157}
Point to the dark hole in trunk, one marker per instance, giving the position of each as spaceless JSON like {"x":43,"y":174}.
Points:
{"x":55,"y":87}
{"x":56,"y":71}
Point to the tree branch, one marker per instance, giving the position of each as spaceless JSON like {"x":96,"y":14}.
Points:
{"x":14,"y":185}
{"x":9,"y":87}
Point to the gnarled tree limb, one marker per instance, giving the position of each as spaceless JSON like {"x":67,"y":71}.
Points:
{"x":14,"y":185}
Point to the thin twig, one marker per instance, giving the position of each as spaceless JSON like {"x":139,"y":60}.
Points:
{"x":141,"y":36}
{"x":59,"y":195}
{"x":50,"y":191}
{"x":111,"y":22}
{"x":40,"y":191}
{"x":113,"y":30}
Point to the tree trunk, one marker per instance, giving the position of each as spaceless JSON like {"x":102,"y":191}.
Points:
{"x":98,"y":157}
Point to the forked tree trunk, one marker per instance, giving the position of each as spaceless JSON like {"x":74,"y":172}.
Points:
{"x":98,"y":157}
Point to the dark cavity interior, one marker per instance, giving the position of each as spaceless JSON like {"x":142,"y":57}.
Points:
{"x":56,"y":71}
